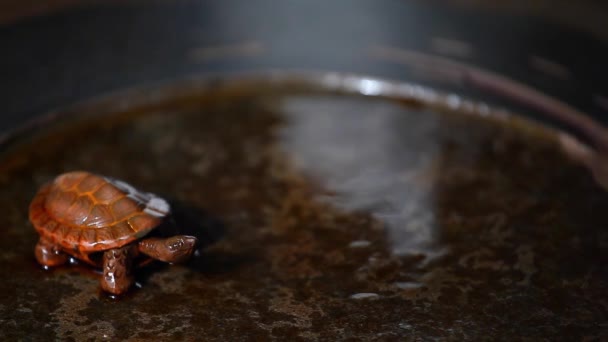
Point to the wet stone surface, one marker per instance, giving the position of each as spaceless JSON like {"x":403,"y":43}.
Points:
{"x":325,"y":218}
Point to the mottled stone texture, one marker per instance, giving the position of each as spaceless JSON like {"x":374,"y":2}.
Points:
{"x":325,"y":218}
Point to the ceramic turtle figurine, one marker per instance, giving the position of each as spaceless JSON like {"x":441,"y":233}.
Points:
{"x":104,"y":222}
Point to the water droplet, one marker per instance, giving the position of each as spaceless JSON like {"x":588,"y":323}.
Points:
{"x":359,"y":244}
{"x":365,"y":295}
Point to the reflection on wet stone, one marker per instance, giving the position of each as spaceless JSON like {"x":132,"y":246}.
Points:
{"x":325,"y":217}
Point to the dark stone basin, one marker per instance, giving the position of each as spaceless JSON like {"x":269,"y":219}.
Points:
{"x":325,"y":217}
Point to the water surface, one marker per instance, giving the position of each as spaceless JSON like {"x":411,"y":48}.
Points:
{"x":325,"y":217}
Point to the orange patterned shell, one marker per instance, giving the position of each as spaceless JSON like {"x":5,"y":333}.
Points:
{"x":84,"y":212}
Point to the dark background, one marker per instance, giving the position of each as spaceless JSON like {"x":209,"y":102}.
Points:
{"x":56,"y":54}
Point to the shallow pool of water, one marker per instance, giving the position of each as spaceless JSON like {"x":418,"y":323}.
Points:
{"x":324,"y":217}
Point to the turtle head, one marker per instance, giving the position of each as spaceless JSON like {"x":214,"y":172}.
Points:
{"x":180,"y":247}
{"x":173,"y":249}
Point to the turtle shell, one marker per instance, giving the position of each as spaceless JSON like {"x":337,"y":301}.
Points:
{"x":84,"y":212}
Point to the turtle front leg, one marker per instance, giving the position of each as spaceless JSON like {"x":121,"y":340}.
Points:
{"x":48,"y":254}
{"x":174,"y":249}
{"x":117,"y":278}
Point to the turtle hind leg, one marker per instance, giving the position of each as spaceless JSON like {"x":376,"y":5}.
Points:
{"x":48,"y":255}
{"x":174,"y":249}
{"x":117,"y":278}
